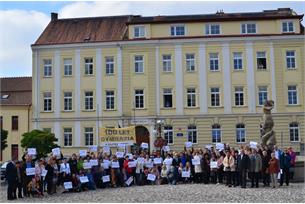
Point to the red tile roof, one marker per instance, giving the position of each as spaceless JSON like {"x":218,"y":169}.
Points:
{"x":18,"y":89}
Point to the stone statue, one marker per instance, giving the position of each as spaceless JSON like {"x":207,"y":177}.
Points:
{"x":268,"y":134}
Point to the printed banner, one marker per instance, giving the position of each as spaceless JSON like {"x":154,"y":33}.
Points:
{"x":115,"y":136}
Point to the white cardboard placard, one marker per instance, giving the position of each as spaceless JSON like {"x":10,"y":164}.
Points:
{"x":213,"y":164}
{"x":30,"y":171}
{"x":106,"y":179}
{"x":186,"y":174}
{"x":56,"y":151}
{"x":44,"y":172}
{"x":106,"y":149}
{"x":195,"y":161}
{"x":253,"y":144}
{"x":132,"y":164}
{"x":68,"y":185}
{"x":144,"y":145}
{"x":130,"y":156}
{"x":115,"y":165}
{"x":82,"y":153}
{"x":93,"y":148}
{"x":151,"y":177}
{"x":129,"y":180}
{"x":87,"y":165}
{"x":157,"y":160}
{"x":119,"y":154}
{"x":166,"y":148}
{"x":168,"y":161}
{"x":83,"y":179}
{"x":121,"y":145}
{"x":140,"y":160}
{"x":220,"y":146}
{"x":149,"y":164}
{"x":94,"y":162}
{"x":188,"y":144}
{"x":32,"y":151}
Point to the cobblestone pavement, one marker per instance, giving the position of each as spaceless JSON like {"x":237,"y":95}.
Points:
{"x":178,"y":193}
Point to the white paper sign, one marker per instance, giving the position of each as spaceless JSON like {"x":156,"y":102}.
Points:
{"x":68,"y":185}
{"x":220,"y":146}
{"x":56,"y":151}
{"x":129,"y":180}
{"x":213,"y":164}
{"x":121,"y":145}
{"x":253,"y":144}
{"x":87,"y":165}
{"x":105,"y":164}
{"x":93,"y":148}
{"x":115,"y":165}
{"x":130,"y":156}
{"x":188,"y":144}
{"x":151,"y":177}
{"x":186,"y":174}
{"x":149,"y":164}
{"x":44,"y":172}
{"x":106,"y":179}
{"x":157,"y":160}
{"x":119,"y":154}
{"x":166,"y":148}
{"x":168,"y":161}
{"x":140,"y":160}
{"x":279,"y":176}
{"x":83,"y":179}
{"x":30,"y":171}
{"x":106,"y":149}
{"x":93,"y":162}
{"x":281,"y":171}
{"x":132,"y":164}
{"x":32,"y":151}
{"x":82,"y":153}
{"x":208,"y":146}
{"x":144,"y":145}
{"x":195,"y":161}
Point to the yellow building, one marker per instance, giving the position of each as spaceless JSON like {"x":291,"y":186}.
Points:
{"x":205,"y":77}
{"x":15,"y":113}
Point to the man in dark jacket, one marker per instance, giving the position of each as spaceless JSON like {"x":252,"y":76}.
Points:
{"x":28,"y":162}
{"x":265,"y":164}
{"x":11,"y":176}
{"x":19,"y":180}
{"x":73,"y":164}
{"x":285,"y":163}
{"x":243,"y":167}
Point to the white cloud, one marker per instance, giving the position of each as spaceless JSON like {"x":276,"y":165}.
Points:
{"x":19,"y":29}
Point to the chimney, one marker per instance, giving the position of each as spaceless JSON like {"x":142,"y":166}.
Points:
{"x":54,"y":16}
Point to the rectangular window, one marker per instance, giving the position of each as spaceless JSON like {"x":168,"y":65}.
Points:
{"x":212,"y":29}
{"x":88,"y":136}
{"x":214,"y":62}
{"x":89,"y":66}
{"x":68,"y":67}
{"x":177,"y":30}
{"x":216,"y":134}
{"x":237,"y":61}
{"x":248,"y":28}
{"x":240,"y":133}
{"x":294,"y":132}
{"x":47,"y":101}
{"x":89,"y":100}
{"x":67,"y":136}
{"x":168,"y":134}
{"x":139,"y":98}
{"x":290,"y":59}
{"x":287,"y":27}
{"x":239,"y":96}
{"x":14,"y":122}
{"x":292,"y":95}
{"x":139,"y":32}
{"x":138,"y":64}
{"x":110,"y":100}
{"x":47,"y":67}
{"x":109,"y":65}
{"x":67,"y":101}
{"x":191,"y":97}
{"x":262,"y":95}
{"x":190,"y":62}
{"x":215,"y":97}
{"x":167,"y":98}
{"x":261,"y":60}
{"x":167,"y":63}
{"x":192,"y":134}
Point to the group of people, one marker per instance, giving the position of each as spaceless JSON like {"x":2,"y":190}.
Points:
{"x":228,"y":166}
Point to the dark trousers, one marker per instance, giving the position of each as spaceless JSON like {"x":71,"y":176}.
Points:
{"x":19,"y":187}
{"x":228,"y":177}
{"x":254,"y":177}
{"x":243,"y":178}
{"x":266,"y":179}
{"x":236,"y":178}
{"x":11,"y":188}
{"x":285,"y":175}
{"x":50,"y":186}
{"x":198,"y":177}
{"x":214,"y":177}
{"x":220,"y":175}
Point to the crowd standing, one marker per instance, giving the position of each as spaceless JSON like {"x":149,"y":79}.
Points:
{"x":229,"y":166}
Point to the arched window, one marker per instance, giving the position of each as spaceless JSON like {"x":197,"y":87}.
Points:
{"x":216,"y":133}
{"x":294,"y":132}
{"x":240,"y":133}
{"x":192,"y":133}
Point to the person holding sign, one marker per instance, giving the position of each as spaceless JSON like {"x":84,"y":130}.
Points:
{"x":197,"y":168}
{"x":273,"y":170}
{"x":228,"y":164}
{"x":128,"y":170}
{"x":214,"y":167}
{"x":116,"y":176}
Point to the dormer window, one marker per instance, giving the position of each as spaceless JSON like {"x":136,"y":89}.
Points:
{"x":177,"y":30}
{"x":287,"y":27}
{"x":248,"y":28}
{"x":139,"y":32}
{"x":212,"y":29}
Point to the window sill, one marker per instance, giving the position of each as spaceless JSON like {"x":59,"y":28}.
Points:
{"x":239,"y":70}
{"x":139,"y":109}
{"x":191,"y":72}
{"x":293,"y":105}
{"x":169,"y":108}
{"x":67,"y":76}
{"x":139,"y":73}
{"x":167,"y":72}
{"x":88,"y":110}
{"x":47,"y":77}
{"x":46,"y":111}
{"x":291,"y":69}
{"x":110,"y":110}
{"x":109,"y":75}
{"x":196,"y":107}
{"x":67,"y":111}
{"x":88,"y":75}
{"x":240,"y":106}
{"x":215,"y":70}
{"x":294,"y":142}
{"x":215,"y":106}
{"x":262,"y":70}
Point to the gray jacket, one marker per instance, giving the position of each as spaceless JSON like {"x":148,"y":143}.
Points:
{"x":255,"y":163}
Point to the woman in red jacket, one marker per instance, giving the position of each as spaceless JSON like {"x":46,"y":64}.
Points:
{"x":127,"y":169}
{"x":273,"y":170}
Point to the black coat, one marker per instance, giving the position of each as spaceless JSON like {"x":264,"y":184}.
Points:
{"x":243,"y":163}
{"x":73,"y":166}
{"x":11,"y":173}
{"x":265,"y":162}
{"x":50,"y":173}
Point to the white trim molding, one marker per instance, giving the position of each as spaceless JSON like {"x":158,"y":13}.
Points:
{"x":250,"y":78}
{"x":157,"y":81}
{"x":57,"y":132}
{"x":57,"y":84}
{"x":272,"y":70}
{"x":227,"y":86}
{"x":77,"y":134}
{"x":203,"y":95}
{"x":98,"y":80}
{"x":120,"y":80}
{"x":36,"y":71}
{"x":179,"y":80}
{"x":77,"y":84}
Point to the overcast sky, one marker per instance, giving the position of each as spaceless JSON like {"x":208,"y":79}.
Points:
{"x":21,"y":23}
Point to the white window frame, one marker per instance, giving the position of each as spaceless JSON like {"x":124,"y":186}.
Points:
{"x":239,"y":131}
{"x":262,"y":94}
{"x":47,"y":102}
{"x":212,"y":62}
{"x":287,"y":26}
{"x":139,"y":63}
{"x":69,"y":135}
{"x":208,"y":29}
{"x":109,"y":65}
{"x":68,"y":101}
{"x":190,"y":62}
{"x":110,"y":99}
{"x":191,"y":94}
{"x":68,"y":67}
{"x":89,"y":66}
{"x":47,"y":68}
{"x":167,"y":63}
{"x":217,"y":136}
{"x":137,"y":99}
{"x":216,"y":94}
{"x":168,"y":132}
{"x":261,"y":55}
{"x":89,"y":100}
{"x":142,"y":31}
{"x":294,"y":130}
{"x":238,"y":58}
{"x":246,"y":28}
{"x":295,"y":91}
{"x":191,"y":132}
{"x":175,"y":30}
{"x":167,"y":92}
{"x":239,"y":91}
{"x":291,"y":59}
{"x":88,"y":133}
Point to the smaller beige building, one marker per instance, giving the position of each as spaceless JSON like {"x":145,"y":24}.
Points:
{"x":15,"y":113}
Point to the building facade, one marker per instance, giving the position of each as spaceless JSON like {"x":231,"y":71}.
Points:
{"x":15,"y":113}
{"x":205,"y":77}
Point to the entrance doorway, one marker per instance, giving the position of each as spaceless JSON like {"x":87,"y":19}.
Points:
{"x":14,"y":151}
{"x":142,"y":135}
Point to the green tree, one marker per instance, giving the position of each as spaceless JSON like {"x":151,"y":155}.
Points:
{"x":43,"y":141}
{"x":3,"y":140}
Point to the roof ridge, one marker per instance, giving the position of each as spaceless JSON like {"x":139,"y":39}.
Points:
{"x":95,"y":17}
{"x":15,"y":77}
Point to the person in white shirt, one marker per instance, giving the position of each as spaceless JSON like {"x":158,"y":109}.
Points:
{"x":168,"y":162}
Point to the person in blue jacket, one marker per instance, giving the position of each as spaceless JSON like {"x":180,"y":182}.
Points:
{"x":285,"y":163}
